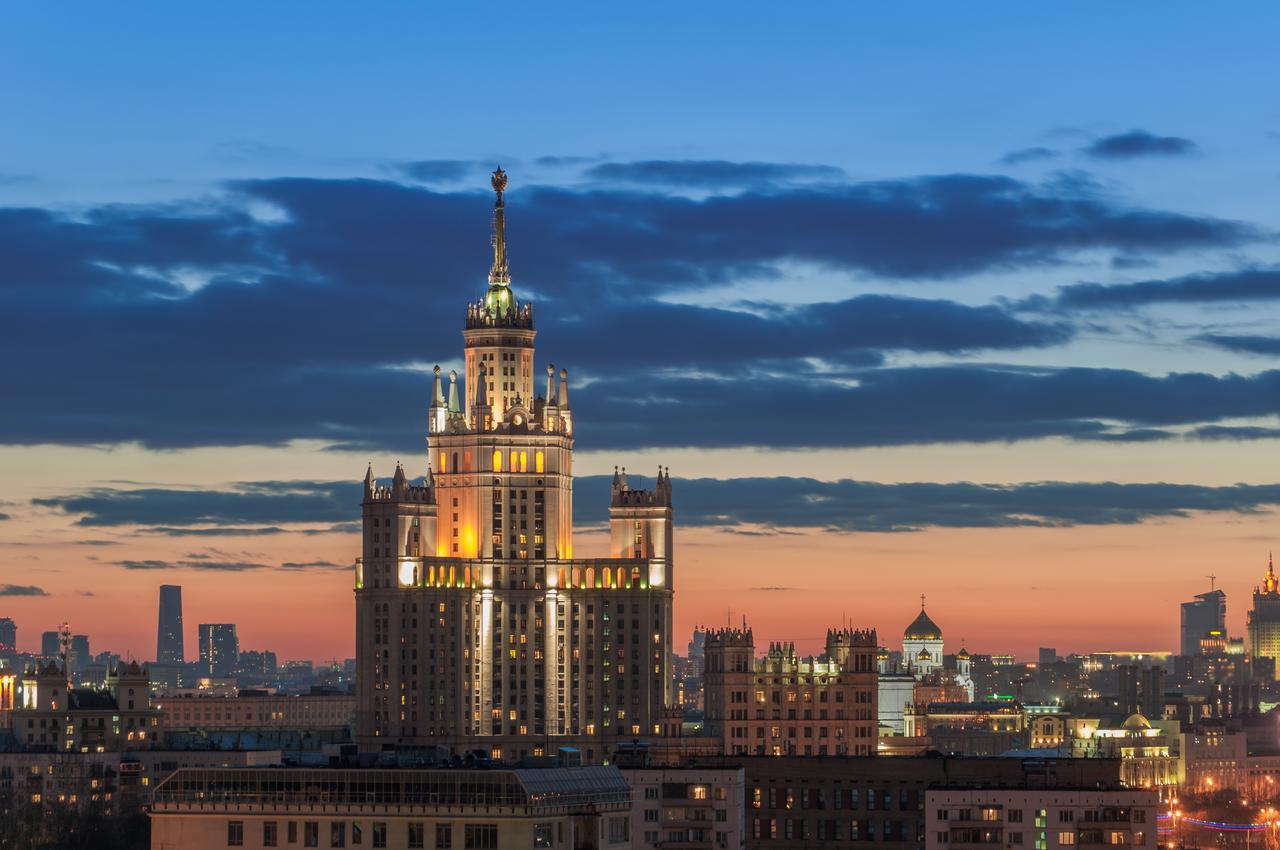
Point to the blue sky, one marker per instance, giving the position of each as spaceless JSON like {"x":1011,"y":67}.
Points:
{"x":942,"y":260}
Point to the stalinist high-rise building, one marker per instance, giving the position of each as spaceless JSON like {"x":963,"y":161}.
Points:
{"x":476,"y":628}
{"x":1263,"y":624}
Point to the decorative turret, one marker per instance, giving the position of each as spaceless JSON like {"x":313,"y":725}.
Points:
{"x":438,"y":413}
{"x":562,"y":398}
{"x":1269,"y":582}
{"x":481,"y":410}
{"x":842,"y":643}
{"x":454,"y":405}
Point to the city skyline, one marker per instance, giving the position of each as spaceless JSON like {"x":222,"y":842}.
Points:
{"x":989,"y":337}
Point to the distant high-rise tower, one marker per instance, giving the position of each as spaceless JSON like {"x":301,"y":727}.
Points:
{"x":219,"y":649}
{"x":79,"y":652}
{"x":8,"y":635}
{"x":169,"y":630}
{"x":1128,"y":676}
{"x":50,"y":645}
{"x":1206,"y":613}
{"x":1153,"y":693}
{"x":1264,"y":619}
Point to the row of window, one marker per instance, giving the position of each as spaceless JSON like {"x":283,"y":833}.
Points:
{"x":1114,"y":838}
{"x":834,"y":829}
{"x":909,"y":799}
{"x":475,"y":836}
{"x":516,"y":461}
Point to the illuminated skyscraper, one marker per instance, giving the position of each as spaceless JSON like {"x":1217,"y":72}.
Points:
{"x":8,"y":635}
{"x":1264,"y":619}
{"x":1202,"y":615}
{"x":475,"y":626}
{"x":50,"y":645}
{"x":219,"y":649}
{"x":169,"y":629}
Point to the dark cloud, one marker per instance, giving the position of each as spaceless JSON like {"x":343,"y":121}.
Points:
{"x":903,"y":406}
{"x":875,"y":507}
{"x":1255,"y":284}
{"x":565,"y":161}
{"x":242,"y":531}
{"x":1025,"y":155}
{"x":1139,"y":143}
{"x":250,"y":504}
{"x":1268,"y":345}
{"x":199,"y":324}
{"x":758,"y":506}
{"x":144,"y":565}
{"x":22,"y":590}
{"x":853,"y":332}
{"x":710,"y":173}
{"x":314,"y":565}
{"x":1236,"y":432}
{"x":191,"y":563}
{"x":439,"y":170}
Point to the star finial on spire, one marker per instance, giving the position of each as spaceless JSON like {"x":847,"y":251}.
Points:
{"x":922,"y":602}
{"x":499,"y":274}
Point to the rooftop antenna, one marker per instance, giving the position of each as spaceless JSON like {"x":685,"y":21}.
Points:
{"x":1212,"y":579}
{"x":64,"y":643}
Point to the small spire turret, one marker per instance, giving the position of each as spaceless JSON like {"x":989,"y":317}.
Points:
{"x":454,"y":405}
{"x":562,"y":398}
{"x":437,"y":394}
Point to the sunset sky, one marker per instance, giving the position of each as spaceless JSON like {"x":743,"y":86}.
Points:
{"x":981,"y":306}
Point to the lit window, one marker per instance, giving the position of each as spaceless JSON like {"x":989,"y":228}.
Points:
{"x":497,"y":460}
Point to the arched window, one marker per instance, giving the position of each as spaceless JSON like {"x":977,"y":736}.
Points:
{"x":444,"y":466}
{"x":635,"y":577}
{"x":621,"y":576}
{"x":577,"y":577}
{"x":591,"y":577}
{"x":524,"y":461}
{"x":538,"y":463}
{"x":497,"y":460}
{"x":466,"y":461}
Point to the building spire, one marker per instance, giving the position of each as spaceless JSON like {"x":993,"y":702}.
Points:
{"x":1270,"y":583}
{"x":499,"y":274}
{"x":454,"y":406}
